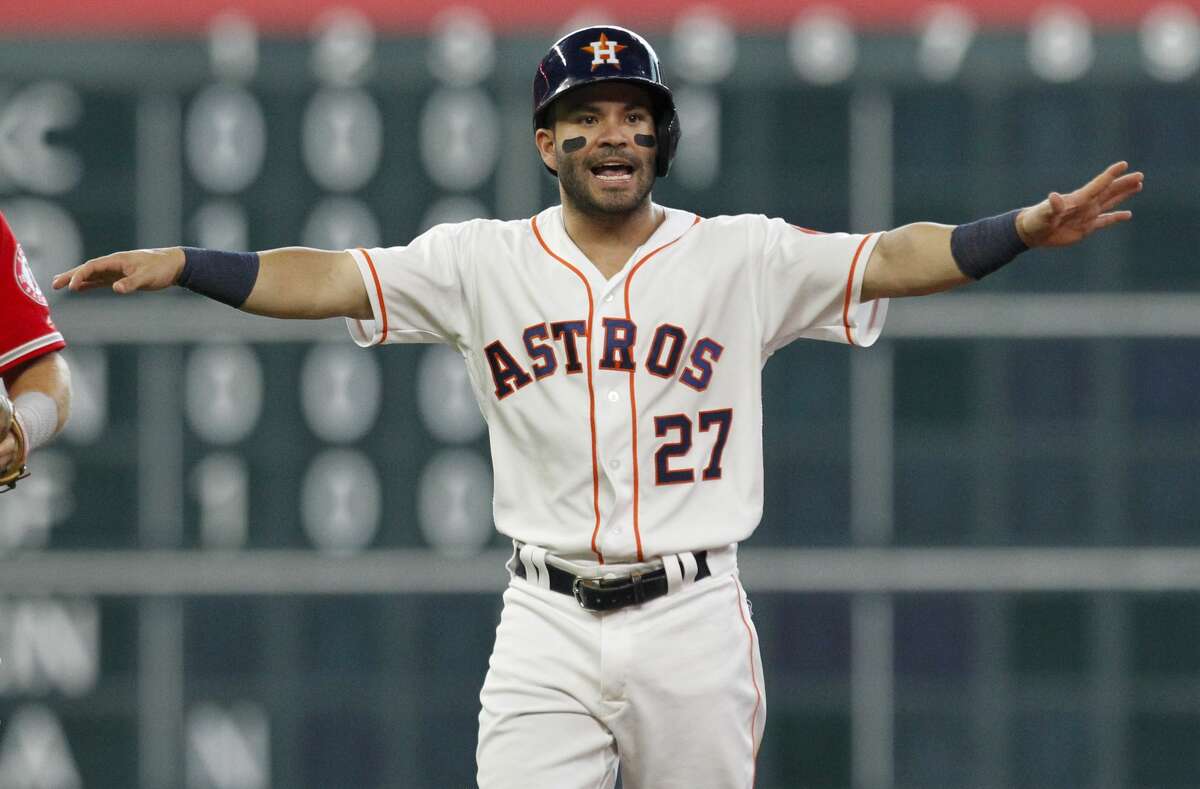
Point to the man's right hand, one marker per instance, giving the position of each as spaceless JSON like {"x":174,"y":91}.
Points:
{"x":125,"y":272}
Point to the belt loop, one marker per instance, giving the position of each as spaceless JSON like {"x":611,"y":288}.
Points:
{"x":511,"y":564}
{"x":531,"y":569}
{"x":689,"y":567}
{"x":639,"y":591}
{"x":538,"y":557}
{"x":674,"y":572}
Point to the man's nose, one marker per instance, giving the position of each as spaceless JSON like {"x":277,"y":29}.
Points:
{"x":611,"y":133}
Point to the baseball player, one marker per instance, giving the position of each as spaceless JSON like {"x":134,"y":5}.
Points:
{"x":36,"y":378}
{"x":615,"y":348}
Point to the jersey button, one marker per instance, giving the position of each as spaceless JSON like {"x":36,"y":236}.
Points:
{"x":613,"y":396}
{"x":608,"y":298}
{"x":614,"y":464}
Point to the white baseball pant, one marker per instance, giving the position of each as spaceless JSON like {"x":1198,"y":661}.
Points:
{"x":672,"y":688}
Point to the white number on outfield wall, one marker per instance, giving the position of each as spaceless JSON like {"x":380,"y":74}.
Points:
{"x":29,"y":117}
{"x":228,"y":746}
{"x":225,"y":138}
{"x":34,"y":753}
{"x":49,"y":236}
{"x":1060,"y":47}
{"x":823,"y":47}
{"x":343,"y":138}
{"x":1170,"y":39}
{"x":341,"y":502}
{"x":455,"y":503}
{"x":341,"y":389}
{"x":460,"y":138}
{"x":447,"y":403}
{"x":946,"y":37}
{"x":221,"y":484}
{"x":338,"y":222}
{"x":224,"y":392}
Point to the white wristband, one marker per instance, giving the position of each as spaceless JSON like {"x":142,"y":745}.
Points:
{"x":38,"y":415}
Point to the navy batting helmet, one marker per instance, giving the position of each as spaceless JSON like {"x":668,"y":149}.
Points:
{"x":607,"y":54}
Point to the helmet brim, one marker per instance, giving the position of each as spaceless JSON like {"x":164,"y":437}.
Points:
{"x":663,"y":101}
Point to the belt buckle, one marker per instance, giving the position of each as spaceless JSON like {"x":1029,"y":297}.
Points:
{"x":577,"y":591}
{"x":629,"y":591}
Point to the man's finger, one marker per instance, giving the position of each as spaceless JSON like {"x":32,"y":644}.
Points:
{"x":81,"y":273}
{"x":62,"y":280}
{"x":96,"y":273}
{"x":1111,"y":218}
{"x":81,"y":284}
{"x":80,"y":287}
{"x":1058,"y":205}
{"x":1117,"y":198}
{"x":1124,"y":187}
{"x":82,"y":270}
{"x":1097,"y":185}
{"x":80,"y":278}
{"x":1127,"y":181}
{"x":127,"y":284}
{"x":78,"y":275}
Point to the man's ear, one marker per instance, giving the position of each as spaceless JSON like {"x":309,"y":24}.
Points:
{"x":544,"y":139}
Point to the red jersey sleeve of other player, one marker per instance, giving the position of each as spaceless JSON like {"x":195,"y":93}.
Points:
{"x":26,"y":331}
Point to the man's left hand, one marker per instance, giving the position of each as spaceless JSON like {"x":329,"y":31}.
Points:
{"x":1063,"y":219}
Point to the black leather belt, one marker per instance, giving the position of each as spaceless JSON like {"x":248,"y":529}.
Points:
{"x":609,"y":594}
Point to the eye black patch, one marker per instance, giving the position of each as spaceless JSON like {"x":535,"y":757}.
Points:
{"x":645,"y":140}
{"x":574,"y":144}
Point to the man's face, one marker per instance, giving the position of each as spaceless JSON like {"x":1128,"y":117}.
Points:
{"x":604,"y":147}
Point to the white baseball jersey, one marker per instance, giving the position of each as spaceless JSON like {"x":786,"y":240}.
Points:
{"x":625,"y":415}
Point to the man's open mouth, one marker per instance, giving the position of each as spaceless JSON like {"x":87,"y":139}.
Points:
{"x":613,"y":171}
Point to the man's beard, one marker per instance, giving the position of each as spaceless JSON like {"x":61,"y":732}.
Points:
{"x":576,"y":180}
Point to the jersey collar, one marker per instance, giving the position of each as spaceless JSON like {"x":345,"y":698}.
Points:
{"x":554,"y":233}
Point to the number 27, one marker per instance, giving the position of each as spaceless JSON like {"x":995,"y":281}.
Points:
{"x":682,"y":425}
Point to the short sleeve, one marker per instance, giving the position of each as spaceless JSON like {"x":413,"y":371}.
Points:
{"x":416,"y":291}
{"x":810,"y":287}
{"x":26,"y":331}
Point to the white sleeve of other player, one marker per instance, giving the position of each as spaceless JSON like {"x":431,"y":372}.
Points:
{"x":415,"y":290}
{"x":810,"y":285}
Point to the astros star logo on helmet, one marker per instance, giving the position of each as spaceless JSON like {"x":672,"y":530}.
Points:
{"x":604,"y":51}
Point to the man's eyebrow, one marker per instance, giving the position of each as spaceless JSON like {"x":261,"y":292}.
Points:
{"x":589,"y":107}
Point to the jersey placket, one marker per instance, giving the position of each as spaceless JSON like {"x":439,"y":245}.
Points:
{"x":613,"y":406}
{"x":617,"y":438}
{"x":614,"y":430}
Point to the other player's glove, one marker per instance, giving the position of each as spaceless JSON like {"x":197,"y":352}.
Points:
{"x":15,"y":470}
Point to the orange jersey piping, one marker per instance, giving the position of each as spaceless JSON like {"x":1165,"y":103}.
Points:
{"x":379,"y":293}
{"x":753,"y":679}
{"x":850,"y":288}
{"x":591,"y":390}
{"x":637,"y":533}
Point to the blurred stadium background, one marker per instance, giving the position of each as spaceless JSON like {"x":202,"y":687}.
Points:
{"x":260,"y":557}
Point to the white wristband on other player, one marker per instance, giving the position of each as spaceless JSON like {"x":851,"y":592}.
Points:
{"x":38,"y":415}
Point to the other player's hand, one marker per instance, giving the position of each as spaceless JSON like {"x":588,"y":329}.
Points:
{"x":12,"y":446}
{"x":9,"y":451}
{"x":125,"y":272}
{"x":1063,"y":219}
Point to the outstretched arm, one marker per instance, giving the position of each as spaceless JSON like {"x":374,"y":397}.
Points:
{"x":917,"y":259}
{"x":293,"y":282}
